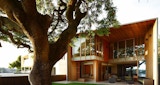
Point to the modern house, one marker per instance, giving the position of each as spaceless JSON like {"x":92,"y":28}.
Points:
{"x":26,"y":62}
{"x":129,"y":50}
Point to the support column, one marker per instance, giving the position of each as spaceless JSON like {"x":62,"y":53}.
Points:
{"x":72,"y":67}
{"x":96,"y":70}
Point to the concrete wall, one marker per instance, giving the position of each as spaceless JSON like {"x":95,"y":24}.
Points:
{"x":155,"y":53}
{"x":151,"y":54}
{"x":61,"y":66}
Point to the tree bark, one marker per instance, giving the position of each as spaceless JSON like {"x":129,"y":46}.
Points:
{"x":41,"y":74}
{"x":35,"y":27}
{"x":41,"y":71}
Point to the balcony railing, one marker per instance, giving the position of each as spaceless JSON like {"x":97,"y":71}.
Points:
{"x":126,"y":59}
{"x":90,"y":57}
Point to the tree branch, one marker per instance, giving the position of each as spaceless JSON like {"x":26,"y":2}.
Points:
{"x":29,"y":7}
{"x":12,"y":8}
{"x":61,"y":9}
{"x":14,"y":11}
{"x":18,"y":43}
{"x":60,"y":47}
{"x":66,"y":36}
{"x":78,"y":14}
{"x":21,"y":12}
{"x":10,"y":24}
{"x":70,"y":9}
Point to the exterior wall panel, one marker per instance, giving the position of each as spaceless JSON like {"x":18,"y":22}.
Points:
{"x":72,"y":75}
{"x":151,"y":53}
{"x":155,"y":53}
{"x":105,"y":50}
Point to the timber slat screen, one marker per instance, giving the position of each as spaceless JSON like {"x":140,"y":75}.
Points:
{"x":18,"y":80}
{"x":23,"y":80}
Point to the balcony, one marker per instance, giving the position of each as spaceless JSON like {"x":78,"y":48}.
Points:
{"x":87,"y":48}
{"x":90,"y":57}
{"x":126,"y":59}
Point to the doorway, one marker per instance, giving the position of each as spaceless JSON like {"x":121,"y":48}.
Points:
{"x":126,"y":70}
{"x":87,"y":70}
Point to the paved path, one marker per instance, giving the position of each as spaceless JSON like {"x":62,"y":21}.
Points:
{"x":102,"y":82}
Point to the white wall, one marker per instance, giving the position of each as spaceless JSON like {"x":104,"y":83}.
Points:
{"x":61,"y":66}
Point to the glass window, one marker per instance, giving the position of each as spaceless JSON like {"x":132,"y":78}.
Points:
{"x":92,"y":46}
{"x":115,"y":50}
{"x":131,"y":70}
{"x":142,"y":69}
{"x":139,"y":49}
{"x":99,"y":47}
{"x":129,"y":48}
{"x":78,"y":47}
{"x":121,"y":52}
{"x":83,"y":47}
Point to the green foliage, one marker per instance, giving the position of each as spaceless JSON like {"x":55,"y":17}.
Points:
{"x":103,"y":32}
{"x":101,"y":15}
{"x":45,"y":6}
{"x":16,"y":64}
{"x":11,"y":32}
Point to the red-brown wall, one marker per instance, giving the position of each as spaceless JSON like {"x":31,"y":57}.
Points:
{"x":105,"y":50}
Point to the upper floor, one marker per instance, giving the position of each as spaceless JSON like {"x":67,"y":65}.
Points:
{"x":126,"y":43}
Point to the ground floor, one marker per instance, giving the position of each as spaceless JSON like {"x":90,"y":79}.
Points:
{"x":94,"y":70}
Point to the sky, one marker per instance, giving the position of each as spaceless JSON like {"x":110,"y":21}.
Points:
{"x":10,"y":53}
{"x":128,"y":11}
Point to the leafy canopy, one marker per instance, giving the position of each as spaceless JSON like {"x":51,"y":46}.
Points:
{"x":16,"y":64}
{"x":100,"y":15}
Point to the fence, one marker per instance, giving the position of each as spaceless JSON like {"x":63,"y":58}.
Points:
{"x":23,"y":80}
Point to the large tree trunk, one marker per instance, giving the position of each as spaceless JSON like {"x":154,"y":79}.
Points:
{"x":40,"y":74}
{"x":41,"y":71}
{"x":35,"y":27}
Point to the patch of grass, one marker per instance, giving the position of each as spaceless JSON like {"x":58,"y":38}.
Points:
{"x":73,"y":84}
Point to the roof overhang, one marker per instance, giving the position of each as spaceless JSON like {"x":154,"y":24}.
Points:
{"x":128,"y":31}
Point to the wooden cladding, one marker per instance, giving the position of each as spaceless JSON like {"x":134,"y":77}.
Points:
{"x":133,"y":30}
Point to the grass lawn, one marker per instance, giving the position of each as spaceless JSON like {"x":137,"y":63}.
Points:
{"x":73,"y":84}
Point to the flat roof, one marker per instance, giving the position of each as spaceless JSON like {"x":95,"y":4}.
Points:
{"x":128,"y":31}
